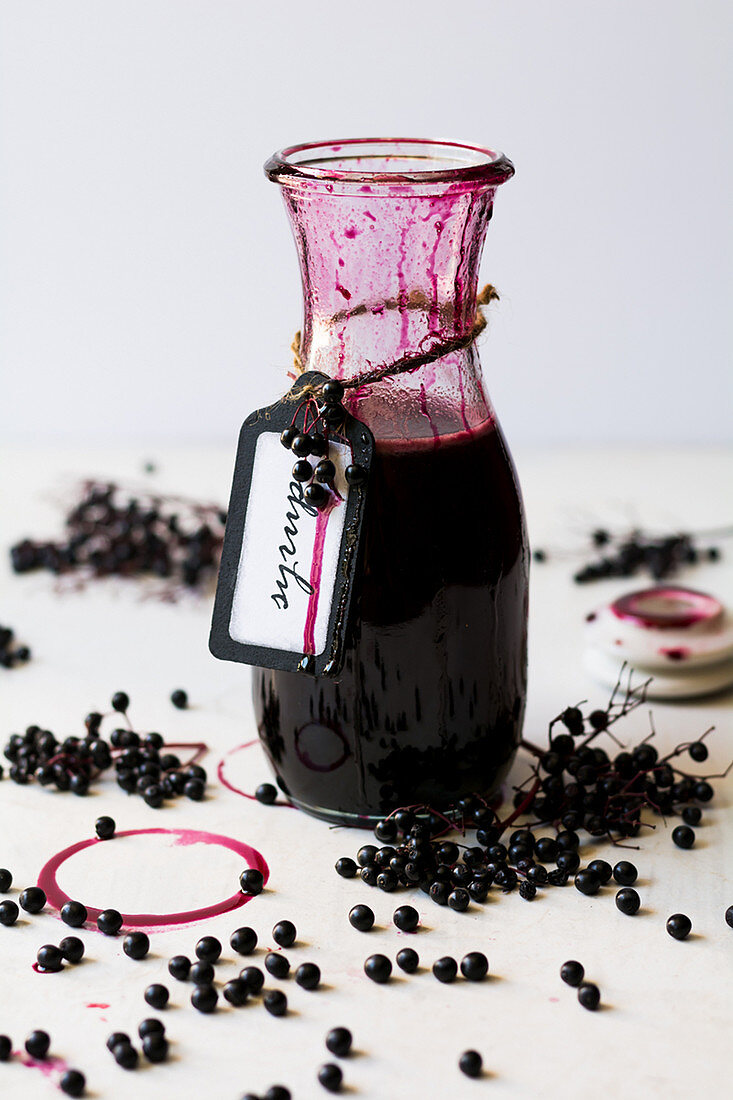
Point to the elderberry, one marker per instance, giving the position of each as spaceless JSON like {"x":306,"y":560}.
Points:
{"x":204,"y":998}
{"x":72,"y":1082}
{"x":445,"y":969}
{"x":284,"y":933}
{"x":275,"y":1002}
{"x":287,"y":436}
{"x":628,"y":901}
{"x":345,"y":867}
{"x":302,"y":470}
{"x":587,"y":882}
{"x":105,"y":828}
{"x":683,"y":836}
{"x":155,"y":1047}
{"x":254,"y":978}
{"x":208,"y":949}
{"x":202,"y":973}
{"x":572,"y":972}
{"x":315,"y":494}
{"x":179,"y":699}
{"x":37,"y":1044}
{"x":330,"y":1076}
{"x":406,"y":918}
{"x":266,"y":793}
{"x":6,"y":880}
{"x":73,"y":913}
{"x":602,"y":869}
{"x":301,"y":445}
{"x":109,"y":922}
{"x":589,"y":995}
{"x":49,"y":957}
{"x":474,"y":966}
{"x":277,"y":965}
{"x":471,"y":1063}
{"x":179,"y":967}
{"x":679,"y":926}
{"x":729,"y":916}
{"x":156,"y":996}
{"x":698,"y":750}
{"x":378,"y":968}
{"x":355,"y":475}
{"x":625,"y":873}
{"x":361,"y":917}
{"x":32,"y":899}
{"x":251,"y":881}
{"x":125,"y":1055}
{"x":333,"y":391}
{"x":338,"y":1041}
{"x":692,"y":815}
{"x":243,"y":941}
{"x":151,"y":1026}
{"x":236,"y":991}
{"x":72,"y":949}
{"x":408,"y":960}
{"x":308,"y":976}
{"x":527,"y":890}
{"x":6,"y":1048}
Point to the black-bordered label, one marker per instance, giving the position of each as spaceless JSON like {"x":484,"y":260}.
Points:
{"x":288,"y":567}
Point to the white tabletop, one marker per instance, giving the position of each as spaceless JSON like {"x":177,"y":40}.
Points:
{"x":665,"y":1025}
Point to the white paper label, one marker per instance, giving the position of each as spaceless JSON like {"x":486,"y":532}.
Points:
{"x":290,"y":554}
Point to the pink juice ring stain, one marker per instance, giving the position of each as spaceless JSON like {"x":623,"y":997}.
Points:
{"x":56,"y":897}
{"x":221,"y":773}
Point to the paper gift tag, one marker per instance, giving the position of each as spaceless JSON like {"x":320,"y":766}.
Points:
{"x":288,"y":568}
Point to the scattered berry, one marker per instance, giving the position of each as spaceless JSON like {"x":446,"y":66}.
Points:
{"x":679,"y":926}
{"x":378,"y":968}
{"x":243,"y":941}
{"x":408,"y":960}
{"x":471,"y":1063}
{"x":331,"y":1077}
{"x":628,"y":901}
{"x":284,"y":933}
{"x":179,"y":699}
{"x":105,"y":828}
{"x":589,"y":996}
{"x":361,"y":917}
{"x":572,"y":972}
{"x":156,"y":996}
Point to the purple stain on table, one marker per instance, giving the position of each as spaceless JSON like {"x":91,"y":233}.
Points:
{"x":185,"y":837}
{"x":677,"y":654}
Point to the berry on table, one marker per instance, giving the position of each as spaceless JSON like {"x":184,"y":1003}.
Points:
{"x":32,"y":899}
{"x":125,"y":1055}
{"x":73,"y":913}
{"x":679,"y":926}
{"x":109,"y":922}
{"x":729,"y":916}
{"x":73,"y":1082}
{"x":628,"y":901}
{"x":266,"y":793}
{"x":236,"y":991}
{"x":589,"y":995}
{"x":208,"y":949}
{"x":330,"y":1076}
{"x":378,"y":968}
{"x":406,"y":918}
{"x":572,"y":972}
{"x":204,"y":998}
{"x":243,"y":941}
{"x":284,"y":933}
{"x":155,"y":1047}
{"x":408,"y":960}
{"x":150,"y":1026}
{"x":136,"y":945}
{"x":6,"y":880}
{"x":49,"y":957}
{"x":275,"y":1002}
{"x":179,"y":967}
{"x":72,"y":949}
{"x":254,"y":978}
{"x":683,"y":836}
{"x":625,"y":873}
{"x":202,"y":973}
{"x":8,"y":912}
{"x":251,"y":881}
{"x":6,"y":1048}
{"x":346,"y":867}
{"x":361,"y":917}
{"x":179,"y":699}
{"x":474,"y":966}
{"x":37,"y":1044}
{"x":277,"y":965}
{"x":156,"y":995}
{"x":471,"y":1063}
{"x":105,"y":828}
{"x":338,"y":1041}
{"x":308,"y":976}
{"x":587,"y":882}
{"x":602,"y":869}
{"x":445,"y":969}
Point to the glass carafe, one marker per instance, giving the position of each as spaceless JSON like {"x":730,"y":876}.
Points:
{"x":429,"y":704}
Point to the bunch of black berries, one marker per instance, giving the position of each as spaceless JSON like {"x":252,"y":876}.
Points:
{"x":319,"y":421}
{"x":142,"y":762}
{"x":637,"y":552}
{"x":573,"y":787}
{"x":111,"y":534}
{"x":10,"y":653}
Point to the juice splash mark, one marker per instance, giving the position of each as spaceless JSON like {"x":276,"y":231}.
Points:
{"x":93,"y":1004}
{"x":402,"y":284}
{"x":309,"y":643}
{"x":221,"y":775}
{"x":156,"y":921}
{"x":49,"y":1066}
{"x":42,"y":969}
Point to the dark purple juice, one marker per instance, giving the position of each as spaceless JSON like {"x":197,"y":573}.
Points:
{"x":430,"y":702}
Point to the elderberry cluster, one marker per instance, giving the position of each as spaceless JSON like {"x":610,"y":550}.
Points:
{"x":141,"y":764}
{"x":310,"y":440}
{"x":11,"y":654}
{"x":571,"y":787}
{"x":638,"y":553}
{"x":109,"y":534}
